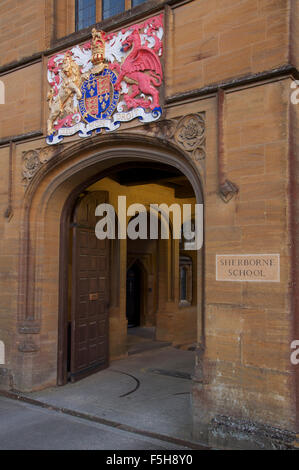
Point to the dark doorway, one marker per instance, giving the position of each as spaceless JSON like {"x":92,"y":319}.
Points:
{"x":88,"y":291}
{"x":133,"y":295}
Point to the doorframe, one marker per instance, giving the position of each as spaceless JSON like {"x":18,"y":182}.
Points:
{"x":64,"y":242}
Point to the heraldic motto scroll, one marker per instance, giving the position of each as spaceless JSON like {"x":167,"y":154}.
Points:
{"x":113,"y":78}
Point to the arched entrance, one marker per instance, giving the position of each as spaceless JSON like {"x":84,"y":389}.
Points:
{"x":149,"y":296}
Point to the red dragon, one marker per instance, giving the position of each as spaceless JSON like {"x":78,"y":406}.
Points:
{"x":142,"y":70}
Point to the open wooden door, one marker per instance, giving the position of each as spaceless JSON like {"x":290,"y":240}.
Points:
{"x":90,"y":291}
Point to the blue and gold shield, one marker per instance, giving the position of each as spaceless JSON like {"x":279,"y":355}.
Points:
{"x":99,"y":97}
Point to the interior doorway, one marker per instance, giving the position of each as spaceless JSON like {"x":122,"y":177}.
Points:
{"x":124,"y":294}
{"x":133,"y":300}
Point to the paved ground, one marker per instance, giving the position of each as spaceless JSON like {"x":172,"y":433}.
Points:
{"x":143,"y":339}
{"x":27,"y":427}
{"x":149,"y":391}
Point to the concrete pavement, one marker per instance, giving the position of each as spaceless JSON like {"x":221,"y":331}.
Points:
{"x":140,"y":402}
{"x":149,"y":391}
{"x":27,"y":427}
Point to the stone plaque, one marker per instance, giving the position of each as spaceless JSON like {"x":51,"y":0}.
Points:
{"x":248,"y":268}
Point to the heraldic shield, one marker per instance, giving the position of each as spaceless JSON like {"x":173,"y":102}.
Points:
{"x":99,"y":97}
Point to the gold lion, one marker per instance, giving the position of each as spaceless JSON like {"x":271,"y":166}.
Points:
{"x":62,"y":104}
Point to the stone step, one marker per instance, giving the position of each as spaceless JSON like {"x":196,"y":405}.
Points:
{"x":147,"y":346}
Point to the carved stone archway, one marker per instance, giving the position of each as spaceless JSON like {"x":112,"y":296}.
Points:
{"x":48,"y":199}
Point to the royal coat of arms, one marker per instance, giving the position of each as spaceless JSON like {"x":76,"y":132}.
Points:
{"x":113,"y":78}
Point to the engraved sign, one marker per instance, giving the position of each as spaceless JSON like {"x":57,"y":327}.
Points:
{"x":248,"y":268}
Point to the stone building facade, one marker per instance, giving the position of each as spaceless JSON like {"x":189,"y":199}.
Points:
{"x":228,"y":137}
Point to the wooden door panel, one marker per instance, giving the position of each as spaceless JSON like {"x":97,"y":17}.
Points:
{"x":102,"y":284}
{"x":90,"y":294}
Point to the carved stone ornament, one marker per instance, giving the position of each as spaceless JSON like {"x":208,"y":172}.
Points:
{"x":187,"y":132}
{"x":190,"y":135}
{"x":32,"y":161}
{"x":228,"y":190}
{"x":29,"y":328}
